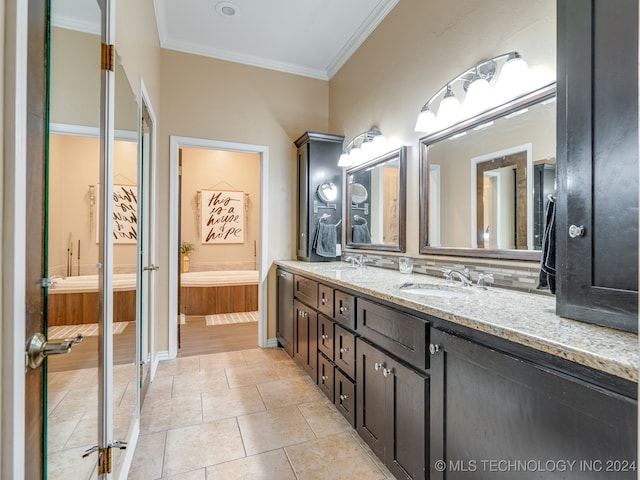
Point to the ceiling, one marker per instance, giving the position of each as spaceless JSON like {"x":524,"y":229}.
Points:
{"x":313,"y":38}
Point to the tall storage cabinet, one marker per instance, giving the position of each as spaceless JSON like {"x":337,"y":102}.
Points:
{"x":597,"y":204}
{"x":318,"y":155}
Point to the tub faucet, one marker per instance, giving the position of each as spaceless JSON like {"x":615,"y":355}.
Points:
{"x":465,"y":276}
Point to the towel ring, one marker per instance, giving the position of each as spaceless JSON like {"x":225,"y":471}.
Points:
{"x":359,"y":218}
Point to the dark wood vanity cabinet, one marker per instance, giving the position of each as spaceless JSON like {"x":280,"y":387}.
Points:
{"x":597,"y":155}
{"x":488,"y":408}
{"x":285,"y":310}
{"x":318,"y":155}
{"x":392,"y":405}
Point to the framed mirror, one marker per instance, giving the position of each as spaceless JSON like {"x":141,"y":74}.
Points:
{"x":376,"y":198}
{"x":484,"y":182}
{"x":327,"y":192}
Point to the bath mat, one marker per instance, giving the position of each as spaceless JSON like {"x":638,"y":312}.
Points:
{"x":227,"y":318}
{"x":86,"y":330}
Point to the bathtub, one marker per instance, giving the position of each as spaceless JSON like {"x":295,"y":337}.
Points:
{"x":220,"y":291}
{"x":74,"y":300}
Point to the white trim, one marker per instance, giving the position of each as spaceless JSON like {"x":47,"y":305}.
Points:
{"x":272,"y":343}
{"x":176,"y":143}
{"x":14,"y":181}
{"x":90,"y":132}
{"x":526,"y":147}
{"x":133,"y":435}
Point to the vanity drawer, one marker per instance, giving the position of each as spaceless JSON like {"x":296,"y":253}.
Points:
{"x":306,"y":290}
{"x":345,"y":396}
{"x":401,"y":334}
{"x":325,"y":336}
{"x":325,"y":300}
{"x":344,"y":309}
{"x":326,"y":372}
{"x":345,"y":351}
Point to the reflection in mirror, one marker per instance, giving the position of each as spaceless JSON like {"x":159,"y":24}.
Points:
{"x":327,"y":192}
{"x":484,"y":182}
{"x":376,"y":203}
{"x":73,"y":214}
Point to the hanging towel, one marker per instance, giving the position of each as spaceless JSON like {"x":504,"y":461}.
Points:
{"x":547,"y":277}
{"x":360,"y":234}
{"x":325,"y":240}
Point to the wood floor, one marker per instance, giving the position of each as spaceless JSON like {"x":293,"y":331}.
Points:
{"x":196,"y":338}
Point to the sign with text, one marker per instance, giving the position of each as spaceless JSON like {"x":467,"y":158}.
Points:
{"x":222,"y":217}
{"x":125,"y":214}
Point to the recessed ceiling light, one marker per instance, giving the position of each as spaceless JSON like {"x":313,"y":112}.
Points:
{"x":227,"y":9}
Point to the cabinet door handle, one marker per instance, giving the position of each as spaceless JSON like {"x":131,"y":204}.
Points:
{"x":344,"y":396}
{"x":434,"y":348}
{"x":377,"y":366}
{"x":324,"y":301}
{"x":324,"y":336}
{"x":324,"y":377}
{"x":387,"y":371}
{"x":304,"y":314}
{"x":344,"y":350}
{"x":576,"y":231}
{"x":344,"y":310}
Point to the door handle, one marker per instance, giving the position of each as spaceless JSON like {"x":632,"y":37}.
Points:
{"x":151,"y":268}
{"x":38,"y":348}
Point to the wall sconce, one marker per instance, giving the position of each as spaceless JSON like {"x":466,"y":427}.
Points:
{"x":475,"y":86}
{"x":363,"y":147}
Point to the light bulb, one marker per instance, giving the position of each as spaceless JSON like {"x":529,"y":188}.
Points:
{"x":426,"y":121}
{"x":514,"y":78}
{"x":479,"y":97}
{"x":345,"y":160}
{"x":449,"y":110}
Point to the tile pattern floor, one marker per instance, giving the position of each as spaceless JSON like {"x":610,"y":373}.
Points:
{"x":250,"y":414}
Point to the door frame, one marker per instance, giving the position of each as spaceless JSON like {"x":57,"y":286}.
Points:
{"x":14,"y":27}
{"x":176,"y":143}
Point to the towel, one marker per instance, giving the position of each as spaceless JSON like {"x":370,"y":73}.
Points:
{"x":360,"y":234}
{"x":325,"y":240}
{"x":547,"y":277}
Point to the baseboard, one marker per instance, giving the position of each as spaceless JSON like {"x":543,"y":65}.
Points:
{"x":272,"y":343}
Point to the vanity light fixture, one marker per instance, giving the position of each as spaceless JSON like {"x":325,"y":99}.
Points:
{"x":476,"y":86}
{"x":362,"y":147}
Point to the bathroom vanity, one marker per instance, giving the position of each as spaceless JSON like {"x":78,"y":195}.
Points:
{"x":447,"y":382}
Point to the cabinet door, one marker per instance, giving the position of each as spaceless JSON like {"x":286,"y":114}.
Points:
{"x":597,"y":267}
{"x":325,"y":336}
{"x":345,"y":351}
{"x":285,"y":310}
{"x":344,"y":396}
{"x":305,"y":344}
{"x":325,"y":300}
{"x":407,"y":428}
{"x":325,"y":376}
{"x":487,"y":406}
{"x":371,"y":397}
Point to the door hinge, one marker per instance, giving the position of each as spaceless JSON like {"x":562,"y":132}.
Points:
{"x":108,"y":56}
{"x":104,"y":460}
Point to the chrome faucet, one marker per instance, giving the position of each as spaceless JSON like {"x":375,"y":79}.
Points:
{"x":357,"y":261}
{"x":465,"y":276}
{"x":482,"y":277}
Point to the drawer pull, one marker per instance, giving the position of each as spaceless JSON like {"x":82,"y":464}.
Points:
{"x":325,"y":336}
{"x":324,"y":378}
{"x":387,"y":372}
{"x":324,"y":301}
{"x":377,"y":366}
{"x":344,"y":310}
{"x":434,"y":348}
{"x":344,"y":350}
{"x":344,"y":397}
{"x":304,"y":314}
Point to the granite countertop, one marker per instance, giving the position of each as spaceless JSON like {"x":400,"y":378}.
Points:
{"x":524,"y":318}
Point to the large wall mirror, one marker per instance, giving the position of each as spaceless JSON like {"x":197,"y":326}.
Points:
{"x":376,"y":196}
{"x":484,"y":182}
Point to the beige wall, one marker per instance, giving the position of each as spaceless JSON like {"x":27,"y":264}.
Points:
{"x":219,"y":170}
{"x":216,"y":100}
{"x":415,"y":50}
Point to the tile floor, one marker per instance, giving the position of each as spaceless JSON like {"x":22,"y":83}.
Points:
{"x":250,"y":414}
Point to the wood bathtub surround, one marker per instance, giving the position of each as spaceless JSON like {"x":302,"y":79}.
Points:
{"x":213,"y":300}
{"x":82,"y":307}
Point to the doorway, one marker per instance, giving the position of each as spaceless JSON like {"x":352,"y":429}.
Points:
{"x":219,"y":240}
{"x":210,"y":192}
